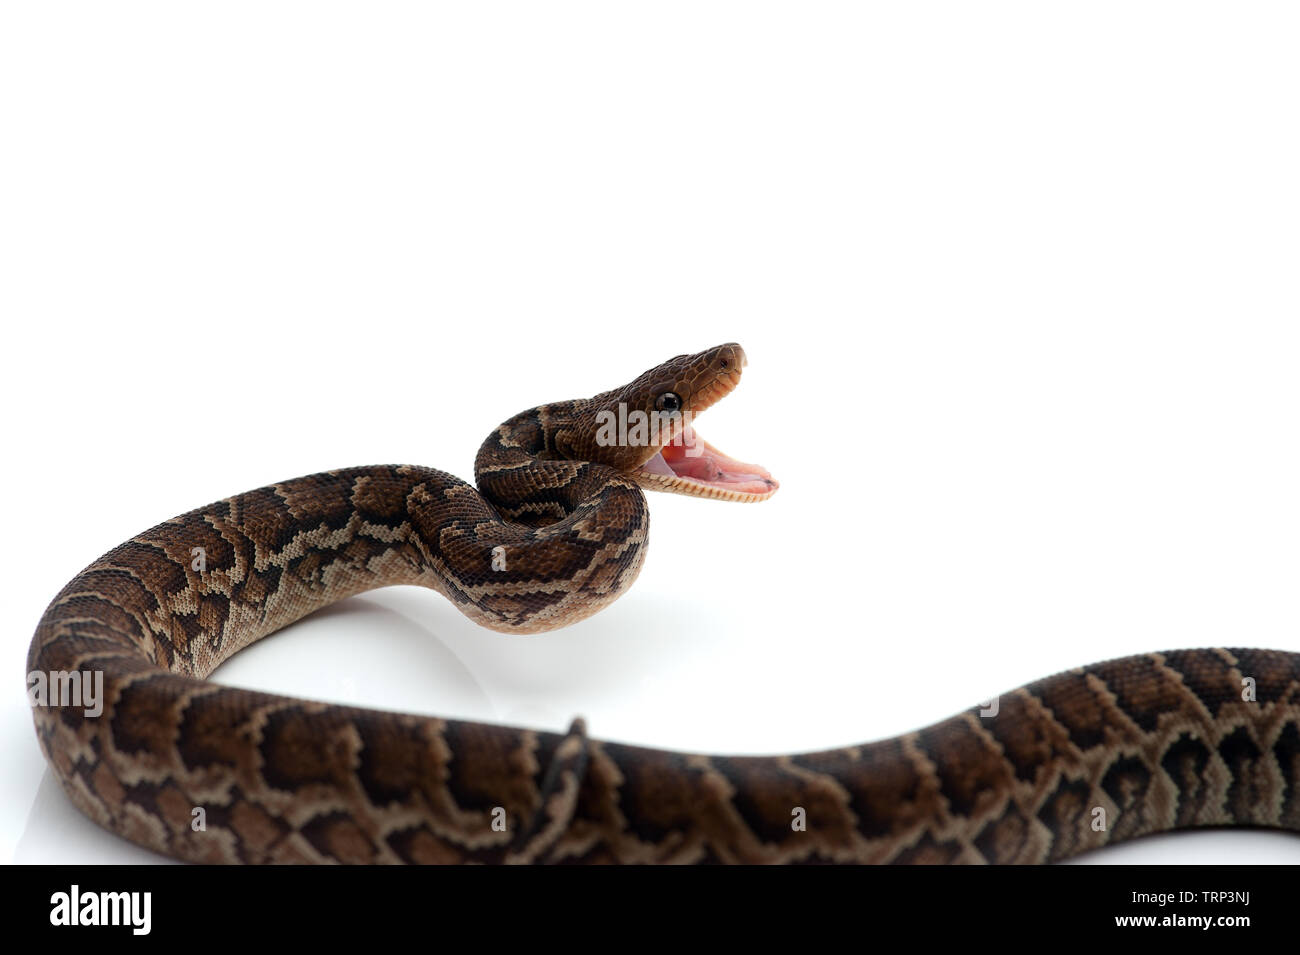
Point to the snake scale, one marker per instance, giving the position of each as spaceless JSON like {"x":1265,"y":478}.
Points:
{"x":556,"y":531}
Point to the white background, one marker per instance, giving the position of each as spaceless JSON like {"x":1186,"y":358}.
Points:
{"x":1017,"y":281}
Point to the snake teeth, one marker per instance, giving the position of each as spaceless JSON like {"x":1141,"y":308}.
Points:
{"x":694,"y":467}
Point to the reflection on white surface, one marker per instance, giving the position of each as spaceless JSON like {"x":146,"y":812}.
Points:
{"x":57,"y":833}
{"x":382,"y":650}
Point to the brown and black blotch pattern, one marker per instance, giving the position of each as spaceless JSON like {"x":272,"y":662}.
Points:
{"x":1089,"y":757}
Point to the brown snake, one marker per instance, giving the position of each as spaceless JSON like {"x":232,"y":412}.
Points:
{"x":556,"y":531}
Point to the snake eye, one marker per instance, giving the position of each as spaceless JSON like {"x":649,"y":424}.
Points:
{"x":668,"y":401}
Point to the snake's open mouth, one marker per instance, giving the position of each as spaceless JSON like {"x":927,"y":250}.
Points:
{"x":690,"y":465}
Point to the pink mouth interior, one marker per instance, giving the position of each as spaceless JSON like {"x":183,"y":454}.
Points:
{"x":695,"y":460}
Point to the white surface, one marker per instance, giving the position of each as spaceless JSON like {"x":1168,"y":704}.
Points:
{"x":1018,"y":288}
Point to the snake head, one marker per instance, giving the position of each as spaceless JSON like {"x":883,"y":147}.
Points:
{"x":645,"y":429}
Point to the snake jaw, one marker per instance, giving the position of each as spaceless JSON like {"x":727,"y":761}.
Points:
{"x":690,"y":465}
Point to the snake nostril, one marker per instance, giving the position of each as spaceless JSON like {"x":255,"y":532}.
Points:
{"x":732,"y":358}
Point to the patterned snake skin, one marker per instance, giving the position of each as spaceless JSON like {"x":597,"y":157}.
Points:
{"x":556,"y":531}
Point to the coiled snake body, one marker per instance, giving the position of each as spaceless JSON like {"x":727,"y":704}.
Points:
{"x":1089,"y":757}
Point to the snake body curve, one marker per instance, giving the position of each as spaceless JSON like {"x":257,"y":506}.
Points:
{"x":556,"y":531}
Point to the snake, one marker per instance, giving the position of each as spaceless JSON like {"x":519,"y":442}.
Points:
{"x":555,"y":530}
